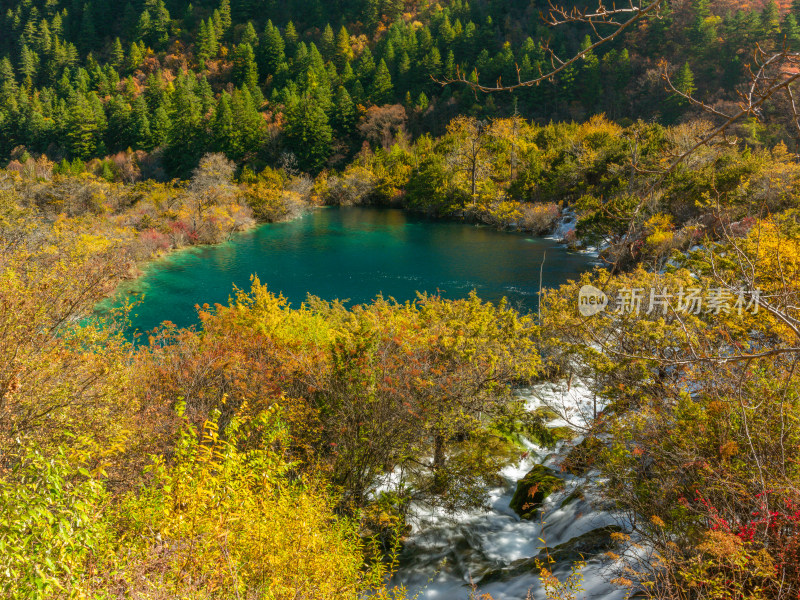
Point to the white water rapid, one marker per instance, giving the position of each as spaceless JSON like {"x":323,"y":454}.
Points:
{"x":564,"y":225}
{"x":494,"y":548}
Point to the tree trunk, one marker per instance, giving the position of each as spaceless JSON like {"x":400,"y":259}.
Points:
{"x":438,"y":462}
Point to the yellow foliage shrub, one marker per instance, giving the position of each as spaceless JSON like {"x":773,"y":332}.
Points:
{"x":226,"y":520}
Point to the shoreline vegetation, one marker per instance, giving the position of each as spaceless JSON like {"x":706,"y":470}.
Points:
{"x":507,"y":173}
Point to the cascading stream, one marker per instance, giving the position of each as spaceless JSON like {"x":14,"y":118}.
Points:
{"x":495,"y":549}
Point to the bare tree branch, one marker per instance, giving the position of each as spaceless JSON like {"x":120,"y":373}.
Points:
{"x":602,"y":17}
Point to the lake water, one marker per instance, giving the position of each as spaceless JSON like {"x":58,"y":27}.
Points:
{"x":355,"y":254}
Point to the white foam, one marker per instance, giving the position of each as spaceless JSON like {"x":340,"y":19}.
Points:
{"x":474,"y":543}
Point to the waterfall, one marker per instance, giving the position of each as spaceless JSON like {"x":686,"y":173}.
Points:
{"x":495,"y":549}
{"x":564,"y":226}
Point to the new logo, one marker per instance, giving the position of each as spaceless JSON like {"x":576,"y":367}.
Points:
{"x":591,"y":301}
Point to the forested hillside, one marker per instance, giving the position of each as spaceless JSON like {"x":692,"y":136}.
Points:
{"x":304,"y":84}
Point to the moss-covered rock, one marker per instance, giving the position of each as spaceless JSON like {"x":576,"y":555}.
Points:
{"x":545,"y":413}
{"x":510,"y":439}
{"x":576,"y":495}
{"x":582,"y":457}
{"x":532,"y":490}
{"x":562,"y":433}
{"x":505,"y":446}
{"x":588,"y":545}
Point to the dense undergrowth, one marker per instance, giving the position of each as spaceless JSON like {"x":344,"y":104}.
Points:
{"x":243,"y":460}
{"x":249,"y":458}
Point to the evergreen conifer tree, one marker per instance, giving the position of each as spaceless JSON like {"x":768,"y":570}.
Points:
{"x":117,"y":54}
{"x":140,"y":124}
{"x":183,"y":141}
{"x":328,"y":43}
{"x":245,"y":71}
{"x":422,"y":102}
{"x":370,"y":14}
{"x":250,"y":126}
{"x":770,"y":21}
{"x":143,"y":26}
{"x":120,"y":127}
{"x":344,"y":51}
{"x":28,"y":64}
{"x":308,"y":132}
{"x":249,"y":35}
{"x":223,"y":128}
{"x":791,"y":30}
{"x":365,"y":66}
{"x":382,"y":88}
{"x":291,"y":38}
{"x":684,"y":81}
{"x":137,"y":55}
{"x":273,"y":50}
{"x":207,"y":40}
{"x":160,"y":126}
{"x":225,"y":20}
{"x":344,"y":111}
{"x":8,"y":82}
{"x":82,"y":128}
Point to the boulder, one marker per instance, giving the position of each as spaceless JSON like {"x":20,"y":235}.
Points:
{"x":581,"y":457}
{"x":591,"y":545}
{"x":532,"y":490}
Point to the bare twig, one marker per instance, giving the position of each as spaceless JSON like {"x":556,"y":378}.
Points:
{"x":602,"y":18}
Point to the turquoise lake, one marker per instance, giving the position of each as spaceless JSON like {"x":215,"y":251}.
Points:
{"x":354,"y":254}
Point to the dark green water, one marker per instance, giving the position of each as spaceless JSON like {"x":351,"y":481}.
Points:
{"x":354,"y":254}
